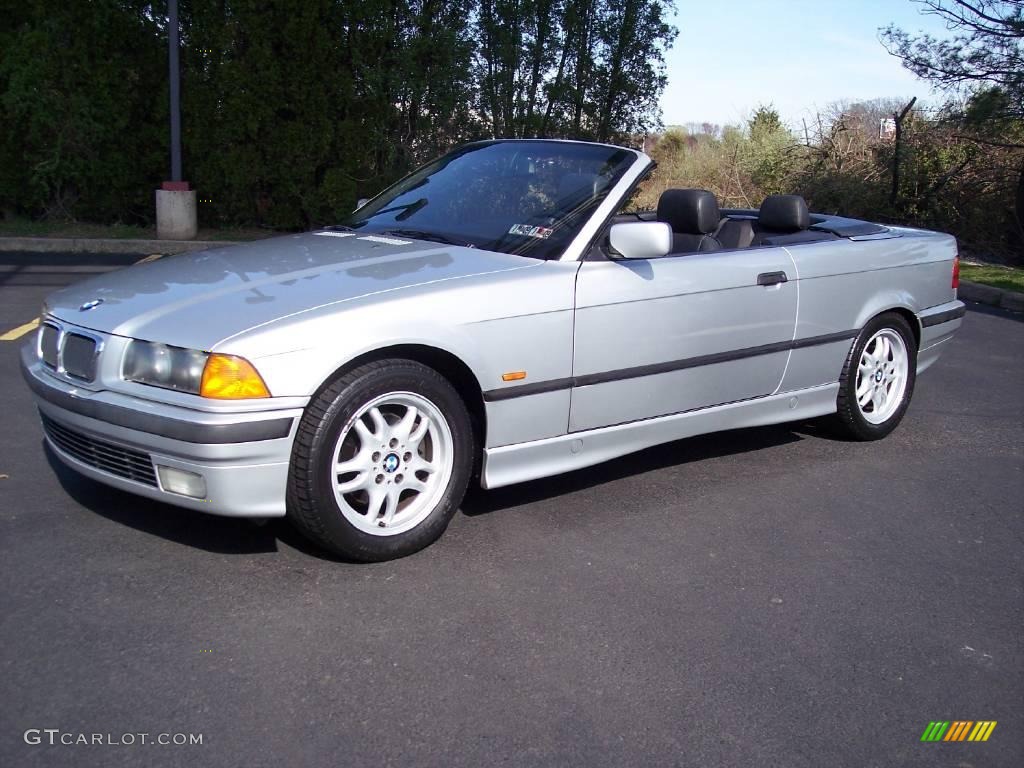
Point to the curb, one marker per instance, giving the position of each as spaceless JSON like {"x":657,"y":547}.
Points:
{"x":107,"y":245}
{"x":987,"y":294}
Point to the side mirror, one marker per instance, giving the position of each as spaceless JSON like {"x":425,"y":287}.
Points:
{"x":641,"y":239}
{"x":361,"y":202}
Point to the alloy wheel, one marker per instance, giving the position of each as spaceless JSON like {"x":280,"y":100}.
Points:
{"x":882,"y":376}
{"x":392,"y":463}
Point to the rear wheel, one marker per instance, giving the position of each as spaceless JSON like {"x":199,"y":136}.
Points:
{"x":878,"y":378}
{"x":381,"y":461}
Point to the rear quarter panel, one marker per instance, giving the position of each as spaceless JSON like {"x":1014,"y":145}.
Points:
{"x":845,"y":283}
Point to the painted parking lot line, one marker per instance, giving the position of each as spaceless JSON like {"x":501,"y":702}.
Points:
{"x":16,"y":333}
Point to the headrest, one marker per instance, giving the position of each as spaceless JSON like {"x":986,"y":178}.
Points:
{"x":784,"y":213}
{"x":690,"y":211}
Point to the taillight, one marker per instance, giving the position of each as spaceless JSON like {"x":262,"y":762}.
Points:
{"x":956,"y":272}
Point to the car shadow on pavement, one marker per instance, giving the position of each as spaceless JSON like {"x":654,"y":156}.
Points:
{"x":984,"y":309}
{"x":236,"y":536}
{"x":481,"y":502}
{"x":221,"y":535}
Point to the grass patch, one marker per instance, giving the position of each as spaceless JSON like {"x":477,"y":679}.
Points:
{"x":1008,"y":278}
{"x":18,"y":227}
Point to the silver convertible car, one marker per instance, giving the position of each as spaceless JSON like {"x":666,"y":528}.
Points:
{"x":497,"y":316}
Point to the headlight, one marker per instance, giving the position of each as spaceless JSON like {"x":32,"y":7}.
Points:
{"x":209,"y":374}
{"x":160,"y":365}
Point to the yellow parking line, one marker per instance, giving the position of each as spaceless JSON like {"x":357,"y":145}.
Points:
{"x":21,"y":330}
{"x":151,"y":257}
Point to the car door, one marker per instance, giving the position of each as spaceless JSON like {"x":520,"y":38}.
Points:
{"x":679,"y":333}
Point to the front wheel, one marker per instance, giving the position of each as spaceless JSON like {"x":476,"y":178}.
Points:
{"x":381,"y":461}
{"x":877,"y":381}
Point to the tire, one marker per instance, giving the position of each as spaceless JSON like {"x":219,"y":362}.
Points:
{"x":381,"y":461}
{"x":885,"y":352}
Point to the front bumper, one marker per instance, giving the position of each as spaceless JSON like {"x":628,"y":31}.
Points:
{"x":242,"y":456}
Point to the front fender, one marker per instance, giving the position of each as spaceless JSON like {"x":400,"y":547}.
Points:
{"x":513,"y":321}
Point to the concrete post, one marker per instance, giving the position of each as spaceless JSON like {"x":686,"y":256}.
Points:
{"x":176,"y":212}
{"x":175,"y":202}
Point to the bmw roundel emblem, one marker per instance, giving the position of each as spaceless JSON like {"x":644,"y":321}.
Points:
{"x":391,"y":462}
{"x":90,"y":305}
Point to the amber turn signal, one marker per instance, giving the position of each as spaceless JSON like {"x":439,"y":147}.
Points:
{"x":228,"y":377}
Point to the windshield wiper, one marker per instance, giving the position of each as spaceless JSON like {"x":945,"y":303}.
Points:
{"x":419,"y":234}
{"x":407,"y":210}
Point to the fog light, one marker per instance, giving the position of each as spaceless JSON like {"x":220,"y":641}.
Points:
{"x":181,"y":482}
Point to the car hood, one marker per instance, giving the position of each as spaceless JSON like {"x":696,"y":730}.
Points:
{"x":199,"y":299}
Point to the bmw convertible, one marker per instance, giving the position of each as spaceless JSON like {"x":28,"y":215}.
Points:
{"x":499,"y":315}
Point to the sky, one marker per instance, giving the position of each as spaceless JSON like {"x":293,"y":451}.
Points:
{"x":798,"y":55}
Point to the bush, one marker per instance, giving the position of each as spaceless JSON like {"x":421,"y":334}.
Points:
{"x":958,"y":174}
{"x":82,"y":102}
{"x":293,"y":110}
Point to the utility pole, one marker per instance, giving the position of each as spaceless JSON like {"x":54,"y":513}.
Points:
{"x":175,"y":203}
{"x":174,"y":73}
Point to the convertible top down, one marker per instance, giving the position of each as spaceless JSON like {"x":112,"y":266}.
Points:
{"x":498,"y":314}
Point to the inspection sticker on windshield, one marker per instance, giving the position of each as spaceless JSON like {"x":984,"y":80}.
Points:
{"x":527,"y":230}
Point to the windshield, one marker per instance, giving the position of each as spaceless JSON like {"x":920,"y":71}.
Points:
{"x":524,"y":197}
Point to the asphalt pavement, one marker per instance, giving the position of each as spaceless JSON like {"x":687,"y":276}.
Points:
{"x":762,"y":597}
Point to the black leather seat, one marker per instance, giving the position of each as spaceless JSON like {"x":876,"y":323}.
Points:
{"x":694,"y":218}
{"x":784,"y":220}
{"x":736,"y":233}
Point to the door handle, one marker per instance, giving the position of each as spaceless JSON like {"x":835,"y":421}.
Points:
{"x":771,"y":278}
